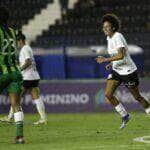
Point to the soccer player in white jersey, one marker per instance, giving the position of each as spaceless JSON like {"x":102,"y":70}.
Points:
{"x":30,"y":80}
{"x":123,"y":68}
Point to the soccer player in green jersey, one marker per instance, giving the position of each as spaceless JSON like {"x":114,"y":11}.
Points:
{"x":11,"y":77}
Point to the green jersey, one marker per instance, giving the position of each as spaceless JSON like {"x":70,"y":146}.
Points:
{"x":8,"y":50}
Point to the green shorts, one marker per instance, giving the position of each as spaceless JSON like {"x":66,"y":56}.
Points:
{"x":11,"y":82}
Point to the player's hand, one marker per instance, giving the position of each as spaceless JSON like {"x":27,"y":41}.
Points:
{"x":100,"y":59}
{"x":108,"y":66}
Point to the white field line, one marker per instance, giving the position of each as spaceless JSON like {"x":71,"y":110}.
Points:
{"x":103,"y":147}
{"x":143,"y":139}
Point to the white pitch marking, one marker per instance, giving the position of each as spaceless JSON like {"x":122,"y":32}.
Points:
{"x":143,"y":139}
{"x":103,"y":147}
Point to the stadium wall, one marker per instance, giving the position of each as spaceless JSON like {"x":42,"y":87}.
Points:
{"x":69,"y":96}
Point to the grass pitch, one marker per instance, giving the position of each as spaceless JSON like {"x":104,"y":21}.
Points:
{"x":98,"y":131}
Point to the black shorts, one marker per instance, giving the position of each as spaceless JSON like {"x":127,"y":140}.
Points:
{"x":130,"y":80}
{"x":30,"y":83}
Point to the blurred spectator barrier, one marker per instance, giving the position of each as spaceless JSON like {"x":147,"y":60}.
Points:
{"x":78,"y":62}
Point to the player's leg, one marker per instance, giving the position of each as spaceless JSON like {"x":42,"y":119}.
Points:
{"x":4,"y":82}
{"x":10,"y":116}
{"x":14,"y":90}
{"x":24,"y":90}
{"x":136,"y":94}
{"x":35,"y":93}
{"x":11,"y":113}
{"x":111,"y":86}
{"x":18,"y":116}
{"x":132,"y":82}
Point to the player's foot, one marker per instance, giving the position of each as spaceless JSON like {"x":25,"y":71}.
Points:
{"x":125,"y":119}
{"x":6,"y":119}
{"x":40,"y":122}
{"x":19,"y":140}
{"x":147,"y":110}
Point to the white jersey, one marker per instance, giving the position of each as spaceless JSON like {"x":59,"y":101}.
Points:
{"x":31,"y":72}
{"x":126,"y":65}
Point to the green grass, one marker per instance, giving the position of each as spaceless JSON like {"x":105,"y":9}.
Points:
{"x":98,"y":131}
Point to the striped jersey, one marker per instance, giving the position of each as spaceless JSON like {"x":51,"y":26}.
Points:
{"x":8,"y":50}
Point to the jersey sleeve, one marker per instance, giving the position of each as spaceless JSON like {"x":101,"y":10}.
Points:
{"x":120,"y":41}
{"x":27,"y":52}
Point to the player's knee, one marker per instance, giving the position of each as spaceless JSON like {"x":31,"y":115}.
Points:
{"x":35,"y":96}
{"x":35,"y":93}
{"x":138,"y":97}
{"x":108,"y":96}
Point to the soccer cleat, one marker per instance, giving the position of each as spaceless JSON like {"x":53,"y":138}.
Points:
{"x":125,"y":119}
{"x":147,"y":110}
{"x":6,"y":119}
{"x":40,"y":122}
{"x":19,"y":140}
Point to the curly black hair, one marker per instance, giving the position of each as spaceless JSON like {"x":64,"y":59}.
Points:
{"x":4,"y":15}
{"x":113,"y":20}
{"x":21,"y":36}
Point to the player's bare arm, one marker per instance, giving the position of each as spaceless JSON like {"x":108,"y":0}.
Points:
{"x":119,"y":56}
{"x":28,"y":62}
